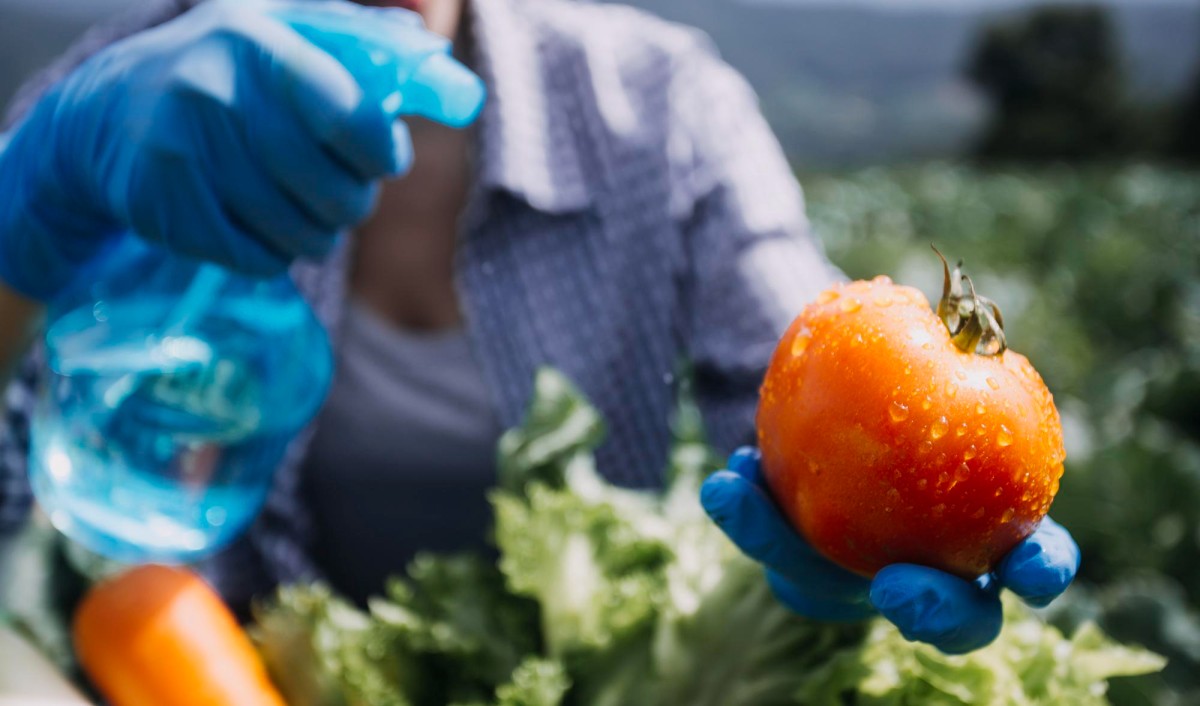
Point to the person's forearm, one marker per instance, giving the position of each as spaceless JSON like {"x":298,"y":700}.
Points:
{"x":19,"y":318}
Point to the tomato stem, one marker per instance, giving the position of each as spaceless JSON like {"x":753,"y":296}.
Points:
{"x":974,"y":322}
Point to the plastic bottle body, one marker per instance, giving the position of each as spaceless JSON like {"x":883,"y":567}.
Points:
{"x":171,"y":394}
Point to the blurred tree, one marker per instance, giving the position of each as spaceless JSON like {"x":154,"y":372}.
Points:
{"x":1055,"y":82}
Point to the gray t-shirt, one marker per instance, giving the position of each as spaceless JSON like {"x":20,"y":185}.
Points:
{"x":404,"y":452}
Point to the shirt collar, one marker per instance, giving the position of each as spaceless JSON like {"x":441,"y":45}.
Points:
{"x":526,"y":144}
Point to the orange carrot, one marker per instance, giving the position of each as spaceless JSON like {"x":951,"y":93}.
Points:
{"x":159,"y":636}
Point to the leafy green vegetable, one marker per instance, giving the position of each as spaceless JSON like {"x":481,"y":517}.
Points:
{"x":595,"y":576}
{"x":456,"y":614}
{"x":609,"y":597}
{"x":536,"y":682}
{"x":1149,"y":610}
{"x":1029,"y":665}
{"x":559,"y":427}
{"x":449,"y":631}
{"x":322,"y":651}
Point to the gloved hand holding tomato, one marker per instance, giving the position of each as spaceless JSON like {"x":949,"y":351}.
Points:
{"x":908,"y":460}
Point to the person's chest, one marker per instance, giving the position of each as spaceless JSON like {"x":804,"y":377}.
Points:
{"x":590,"y":286}
{"x":403,"y":257}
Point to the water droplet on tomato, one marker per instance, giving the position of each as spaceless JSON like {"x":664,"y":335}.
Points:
{"x":881,"y":279}
{"x":1004,"y":437}
{"x":1007,"y":516}
{"x":977,"y":514}
{"x":981,"y":430}
{"x":923,"y":484}
{"x":951,"y":389}
{"x":850,"y":305}
{"x":991,"y":382}
{"x":925,"y":446}
{"x":960,"y":375}
{"x":939,"y":428}
{"x":938,"y":510}
{"x":998,"y":493}
{"x":961,"y":473}
{"x":980,"y":409}
{"x":893,"y":495}
{"x":926,"y":403}
{"x":898,"y":412}
{"x":942,"y":478}
{"x":969,"y":453}
{"x":800,"y":344}
{"x":827,"y":296}
{"x":961,"y":430}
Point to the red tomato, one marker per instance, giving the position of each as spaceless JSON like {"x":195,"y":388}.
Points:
{"x":884,"y":442}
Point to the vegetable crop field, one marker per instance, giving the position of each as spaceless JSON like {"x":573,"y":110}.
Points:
{"x":1098,"y":273}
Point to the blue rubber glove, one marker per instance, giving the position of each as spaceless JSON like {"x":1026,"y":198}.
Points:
{"x":926,"y":604}
{"x":244,"y":132}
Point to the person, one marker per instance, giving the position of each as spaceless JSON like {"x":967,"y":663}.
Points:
{"x":620,"y":204}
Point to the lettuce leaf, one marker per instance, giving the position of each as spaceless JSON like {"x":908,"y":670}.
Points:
{"x":455,"y":614}
{"x":535,"y":682}
{"x":1030,"y":664}
{"x":322,"y":651}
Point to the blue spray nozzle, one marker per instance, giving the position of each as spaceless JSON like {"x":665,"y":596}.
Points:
{"x":401,"y":64}
{"x":442,"y":89}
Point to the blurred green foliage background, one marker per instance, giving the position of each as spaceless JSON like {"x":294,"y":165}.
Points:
{"x":1097,"y":270}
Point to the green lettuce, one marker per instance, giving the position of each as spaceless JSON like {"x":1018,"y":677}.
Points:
{"x":604,"y":596}
{"x":322,"y":651}
{"x":535,"y":682}
{"x":1030,"y":664}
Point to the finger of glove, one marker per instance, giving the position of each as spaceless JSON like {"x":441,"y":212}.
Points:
{"x":249,"y":193}
{"x":928,"y":605}
{"x":175,"y":207}
{"x":746,"y":461}
{"x":1041,"y":567}
{"x":750,"y":519}
{"x":799,"y":601}
{"x":330,"y":193}
{"x":329,"y":101}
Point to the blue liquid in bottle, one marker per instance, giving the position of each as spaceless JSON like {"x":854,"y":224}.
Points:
{"x":156,"y":437}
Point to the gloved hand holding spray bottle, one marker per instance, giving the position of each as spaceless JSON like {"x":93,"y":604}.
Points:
{"x":154,"y":200}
